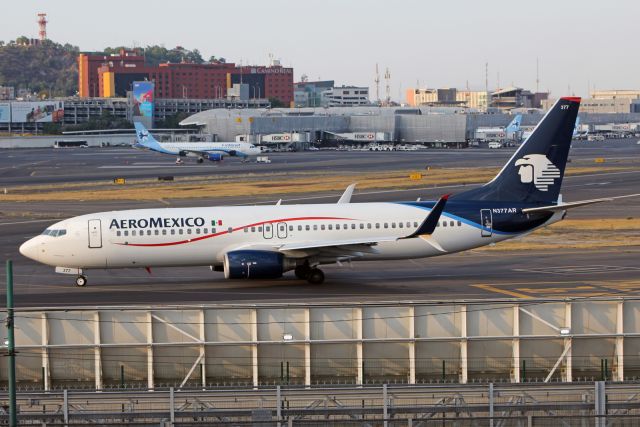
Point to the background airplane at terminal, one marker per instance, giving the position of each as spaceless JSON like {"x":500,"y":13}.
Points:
{"x":507,"y":132}
{"x":263,"y":242}
{"x":576,"y":131}
{"x":213,"y":151}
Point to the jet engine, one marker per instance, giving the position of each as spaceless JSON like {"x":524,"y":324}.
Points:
{"x":214,"y":157}
{"x":250,"y":264}
{"x":233,"y":153}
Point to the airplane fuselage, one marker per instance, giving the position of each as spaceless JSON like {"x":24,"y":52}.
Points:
{"x":202,"y":236}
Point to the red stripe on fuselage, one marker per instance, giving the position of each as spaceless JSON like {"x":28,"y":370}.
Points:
{"x":256,"y":224}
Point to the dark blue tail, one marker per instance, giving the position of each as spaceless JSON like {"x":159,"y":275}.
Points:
{"x":534,"y":173}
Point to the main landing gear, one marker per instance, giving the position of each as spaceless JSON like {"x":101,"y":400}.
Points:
{"x":81,"y":281}
{"x":314,"y":275}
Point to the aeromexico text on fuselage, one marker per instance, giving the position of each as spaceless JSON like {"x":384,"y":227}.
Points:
{"x":158,"y":222}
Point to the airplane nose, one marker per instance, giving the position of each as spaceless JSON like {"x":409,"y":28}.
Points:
{"x":29,"y":249}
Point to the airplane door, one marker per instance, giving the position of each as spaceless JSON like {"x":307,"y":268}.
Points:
{"x":487,"y":222}
{"x":267,"y":231}
{"x":282,"y":230}
{"x":95,"y":233}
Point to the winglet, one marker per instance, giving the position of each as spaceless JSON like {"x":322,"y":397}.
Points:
{"x":430,"y":223}
{"x":346,"y":196}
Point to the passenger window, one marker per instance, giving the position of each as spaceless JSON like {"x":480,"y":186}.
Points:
{"x":148,"y":232}
{"x":415,"y":224}
{"x":118,"y":233}
{"x":299,"y":228}
{"x":307,"y":227}
{"x":400,"y":225}
{"x":246,"y":229}
{"x":230,"y":230}
{"x":377,"y":225}
{"x":345,"y":226}
{"x":157,"y":232}
{"x":438,"y":224}
{"x":330,"y":226}
{"x":353,"y":226}
{"x":259,"y":229}
{"x":173,"y":231}
{"x":253,"y":229}
{"x":205,"y":230}
{"x":188,"y":231}
{"x":444,"y":223}
{"x":164,"y":232}
{"x":459,"y":223}
{"x":322,"y":227}
{"x":451,"y":223}
{"x":337,"y":227}
{"x":361,"y":226}
{"x":126,"y":233}
{"x":386,"y":225}
{"x":181,"y":231}
{"x":315,"y":227}
{"x":393,"y":225}
{"x":291,"y":228}
{"x":408,"y":224}
{"x":133,"y":232}
{"x":369,"y":226}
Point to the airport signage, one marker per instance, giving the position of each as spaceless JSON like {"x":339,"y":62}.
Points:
{"x":127,"y":224}
{"x":143,"y":93}
{"x":277,"y":137}
{"x":5,"y":112}
{"x":33,"y":112}
{"x":271,"y":70}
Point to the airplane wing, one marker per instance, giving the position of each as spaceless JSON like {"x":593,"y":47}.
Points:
{"x":565,"y":206}
{"x":353,"y":248}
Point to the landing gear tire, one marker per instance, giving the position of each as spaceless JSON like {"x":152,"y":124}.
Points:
{"x":302,"y":272}
{"x":81,"y":281}
{"x":315,"y":276}
{"x":200,"y":160}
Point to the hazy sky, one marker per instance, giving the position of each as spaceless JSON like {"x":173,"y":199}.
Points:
{"x":439,"y":44}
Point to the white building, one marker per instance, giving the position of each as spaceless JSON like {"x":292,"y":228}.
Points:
{"x":346,"y":96}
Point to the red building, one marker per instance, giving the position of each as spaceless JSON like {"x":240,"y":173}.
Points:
{"x":106,"y":76}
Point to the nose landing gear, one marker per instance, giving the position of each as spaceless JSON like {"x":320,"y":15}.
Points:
{"x":81,"y":281}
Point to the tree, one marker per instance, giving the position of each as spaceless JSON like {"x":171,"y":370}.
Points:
{"x":276,"y":103}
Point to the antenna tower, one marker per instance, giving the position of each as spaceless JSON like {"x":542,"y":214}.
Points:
{"x":486,"y":77}
{"x":387,"y":78}
{"x":42,"y":23}
{"x":377,"y":82}
{"x":537,"y":75}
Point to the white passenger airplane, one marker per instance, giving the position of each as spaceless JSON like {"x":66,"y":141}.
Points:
{"x":213,"y":151}
{"x":263,"y":242}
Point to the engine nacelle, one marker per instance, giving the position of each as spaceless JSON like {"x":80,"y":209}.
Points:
{"x":182,"y":153}
{"x":249,"y":264}
{"x":214,"y":157}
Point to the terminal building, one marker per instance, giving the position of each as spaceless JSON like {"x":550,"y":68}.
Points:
{"x":103,"y":76}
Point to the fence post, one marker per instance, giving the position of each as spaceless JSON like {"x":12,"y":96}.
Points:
{"x":600,"y":404}
{"x":385,"y":407}
{"x":278,"y":405}
{"x":172,"y":407}
{"x":490,"y":404}
{"x":65,"y":406}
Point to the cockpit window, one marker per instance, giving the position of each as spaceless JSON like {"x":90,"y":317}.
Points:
{"x":54,"y":233}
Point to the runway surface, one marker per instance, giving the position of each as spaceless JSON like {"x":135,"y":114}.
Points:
{"x":470,"y":275}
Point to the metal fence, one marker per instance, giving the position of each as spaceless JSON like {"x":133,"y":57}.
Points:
{"x":338,"y":344}
{"x":595,"y":404}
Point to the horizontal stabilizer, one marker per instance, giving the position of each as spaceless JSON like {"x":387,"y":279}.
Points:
{"x":430,"y":223}
{"x":565,"y":206}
